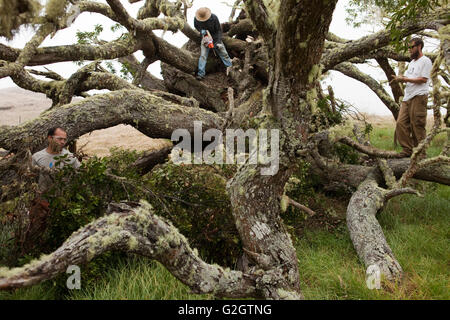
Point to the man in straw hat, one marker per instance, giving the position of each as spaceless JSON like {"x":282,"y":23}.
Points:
{"x":206,"y":21}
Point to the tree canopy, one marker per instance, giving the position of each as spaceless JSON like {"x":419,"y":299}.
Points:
{"x":281,"y":51}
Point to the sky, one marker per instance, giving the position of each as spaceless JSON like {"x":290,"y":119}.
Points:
{"x":345,"y":88}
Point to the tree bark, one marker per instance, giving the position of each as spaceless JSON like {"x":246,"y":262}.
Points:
{"x":152,"y":115}
{"x":365,"y":231}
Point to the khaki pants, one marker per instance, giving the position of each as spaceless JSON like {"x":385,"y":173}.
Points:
{"x":410,"y":128}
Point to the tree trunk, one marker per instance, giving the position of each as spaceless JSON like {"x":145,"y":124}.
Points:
{"x":365,"y":231}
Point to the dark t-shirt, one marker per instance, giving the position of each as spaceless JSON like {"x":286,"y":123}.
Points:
{"x":212,"y":25}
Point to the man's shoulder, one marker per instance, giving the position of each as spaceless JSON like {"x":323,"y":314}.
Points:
{"x":425,"y":59}
{"x":40,"y":154}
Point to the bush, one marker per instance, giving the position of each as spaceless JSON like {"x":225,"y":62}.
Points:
{"x":80,"y":196}
{"x":195,"y":199}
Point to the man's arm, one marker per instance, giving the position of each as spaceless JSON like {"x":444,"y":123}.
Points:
{"x":217,"y":31}
{"x":196,"y":25}
{"x":419,"y":80}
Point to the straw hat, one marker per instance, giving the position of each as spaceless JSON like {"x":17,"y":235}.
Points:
{"x":203,"y":14}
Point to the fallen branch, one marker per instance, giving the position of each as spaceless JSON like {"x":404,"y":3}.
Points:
{"x":369,"y":150}
{"x":300,"y":206}
{"x":136,"y":230}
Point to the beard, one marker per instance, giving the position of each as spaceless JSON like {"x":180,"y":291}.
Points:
{"x":414,"y":55}
{"x":54,"y":147}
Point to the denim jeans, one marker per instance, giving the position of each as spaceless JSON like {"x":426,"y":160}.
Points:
{"x":220,"y":50}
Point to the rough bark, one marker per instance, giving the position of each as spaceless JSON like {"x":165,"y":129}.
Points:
{"x":347,"y":177}
{"x":365,"y":231}
{"x":208,"y":96}
{"x":75,"y":52}
{"x":150,"y":159}
{"x":395,"y":86}
{"x":265,"y":240}
{"x":378,"y":40}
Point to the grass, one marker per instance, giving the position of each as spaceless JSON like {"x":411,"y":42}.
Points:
{"x":137,"y":279}
{"x":382,"y":138}
{"x":417,"y":230}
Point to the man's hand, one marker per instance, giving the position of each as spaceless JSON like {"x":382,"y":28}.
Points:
{"x":398,"y":79}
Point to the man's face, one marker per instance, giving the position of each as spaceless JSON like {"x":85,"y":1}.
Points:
{"x":58,"y":140}
{"x":414,"y":50}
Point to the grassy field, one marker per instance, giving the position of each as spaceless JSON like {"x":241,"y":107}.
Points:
{"x":417,"y":229}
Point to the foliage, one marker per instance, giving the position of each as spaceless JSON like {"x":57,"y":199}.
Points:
{"x":92,"y":37}
{"x":327,"y":117}
{"x":391,"y":14}
{"x":89,"y":37}
{"x":79,"y":196}
{"x":196,"y":201}
{"x":346,"y":154}
{"x":76,"y":198}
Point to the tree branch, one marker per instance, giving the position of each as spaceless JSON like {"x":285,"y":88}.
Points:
{"x":122,"y":47}
{"x":263,"y":17}
{"x":371,"y":151}
{"x":351,"y":71}
{"x":136,"y":230}
{"x":144,"y":111}
{"x":375,"y":41}
{"x":365,"y":231}
{"x":395,"y":86}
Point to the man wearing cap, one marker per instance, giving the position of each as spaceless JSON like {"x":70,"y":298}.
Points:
{"x":206,"y":21}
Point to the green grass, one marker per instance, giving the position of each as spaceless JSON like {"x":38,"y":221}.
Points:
{"x":43,"y":291}
{"x":417,"y":230}
{"x":137,"y":278}
{"x":382,"y":138}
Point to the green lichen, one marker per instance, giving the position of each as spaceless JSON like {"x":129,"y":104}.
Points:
{"x":284,"y":203}
{"x":314,"y":74}
{"x":272,"y":10}
{"x":9,"y":273}
{"x":133,"y":243}
{"x":55,"y":9}
{"x":337,"y":132}
{"x":287,"y":295}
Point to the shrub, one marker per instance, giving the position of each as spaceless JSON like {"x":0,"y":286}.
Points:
{"x":195,"y":199}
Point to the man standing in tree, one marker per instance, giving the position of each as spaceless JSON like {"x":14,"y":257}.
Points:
{"x":411,"y":121}
{"x":54,"y":156}
{"x":205,"y":22}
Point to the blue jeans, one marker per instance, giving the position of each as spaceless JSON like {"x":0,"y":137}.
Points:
{"x":221,"y":51}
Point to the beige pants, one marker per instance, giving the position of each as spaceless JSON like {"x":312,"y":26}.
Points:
{"x":410,"y":128}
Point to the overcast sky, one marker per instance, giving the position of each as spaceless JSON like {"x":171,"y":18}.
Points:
{"x":350,"y":90}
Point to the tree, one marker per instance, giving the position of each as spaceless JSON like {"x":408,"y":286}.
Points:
{"x":282,"y":68}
